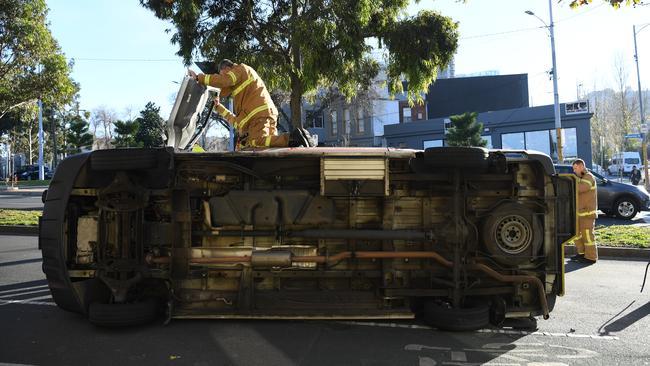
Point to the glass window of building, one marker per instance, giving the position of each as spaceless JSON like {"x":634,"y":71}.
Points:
{"x":346,"y":121}
{"x":431,"y":143}
{"x":406,"y":114}
{"x":335,"y":122}
{"x":488,"y":140}
{"x":569,"y":143}
{"x":538,"y":140}
{"x":361,"y":125}
{"x":515,"y":141}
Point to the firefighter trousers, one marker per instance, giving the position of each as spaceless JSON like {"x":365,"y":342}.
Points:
{"x":262,"y":133}
{"x":586,"y":241}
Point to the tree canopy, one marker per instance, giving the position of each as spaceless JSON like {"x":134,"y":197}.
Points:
{"x":31,"y":62}
{"x":302,"y":45}
{"x":77,"y":135}
{"x":614,"y":3}
{"x":150,"y":127}
{"x":465,"y":131}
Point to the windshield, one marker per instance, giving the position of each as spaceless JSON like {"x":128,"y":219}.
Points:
{"x":631,"y":161}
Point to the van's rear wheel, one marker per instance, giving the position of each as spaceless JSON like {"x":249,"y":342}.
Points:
{"x":122,"y":315}
{"x":444,"y":317}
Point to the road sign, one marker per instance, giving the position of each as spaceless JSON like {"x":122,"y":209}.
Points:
{"x":644,"y":128}
{"x":634,"y":136}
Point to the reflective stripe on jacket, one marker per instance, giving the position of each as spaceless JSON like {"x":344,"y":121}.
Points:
{"x":250,"y":96}
{"x":587,"y":196}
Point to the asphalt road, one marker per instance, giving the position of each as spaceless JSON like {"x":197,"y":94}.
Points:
{"x":602,"y":320}
{"x":18,"y":201}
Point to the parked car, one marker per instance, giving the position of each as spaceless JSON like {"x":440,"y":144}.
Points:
{"x":459,"y":236}
{"x":30,"y":172}
{"x":618,"y":199}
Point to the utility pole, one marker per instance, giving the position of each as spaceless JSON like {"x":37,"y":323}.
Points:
{"x":41,"y":168}
{"x":556,"y":96}
{"x":644,"y":144}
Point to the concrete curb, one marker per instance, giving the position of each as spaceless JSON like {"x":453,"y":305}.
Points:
{"x":614,"y":252}
{"x":569,"y":250}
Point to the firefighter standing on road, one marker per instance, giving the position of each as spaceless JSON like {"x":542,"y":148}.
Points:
{"x":587,"y":205}
{"x":256,"y":114}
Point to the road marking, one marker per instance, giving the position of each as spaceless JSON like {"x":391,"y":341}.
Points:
{"x":548,"y":334}
{"x":458,"y":356}
{"x":28,"y":302}
{"x":22,"y":293}
{"x":21,"y":289}
{"x":497,"y":331}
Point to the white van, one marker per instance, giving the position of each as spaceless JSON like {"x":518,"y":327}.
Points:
{"x":625,"y":161}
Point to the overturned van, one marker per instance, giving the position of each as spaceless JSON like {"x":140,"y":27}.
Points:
{"x":461,"y":237}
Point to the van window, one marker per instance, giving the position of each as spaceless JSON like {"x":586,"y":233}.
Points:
{"x":631,"y":161}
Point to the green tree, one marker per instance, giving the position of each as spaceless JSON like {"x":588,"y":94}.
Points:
{"x":299,"y":46}
{"x":126,"y":131}
{"x":78,"y":136}
{"x":31,"y":62}
{"x":465,"y":131}
{"x":151,"y":127}
{"x":615,"y":3}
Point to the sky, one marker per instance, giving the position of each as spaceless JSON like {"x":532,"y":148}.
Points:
{"x":123,"y":57}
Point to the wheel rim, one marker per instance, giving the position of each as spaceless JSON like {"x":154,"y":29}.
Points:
{"x":626,"y":209}
{"x":513,"y":234}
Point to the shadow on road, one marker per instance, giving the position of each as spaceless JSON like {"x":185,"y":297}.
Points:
{"x":625,"y":321}
{"x":574,"y":266}
{"x":24,"y":261}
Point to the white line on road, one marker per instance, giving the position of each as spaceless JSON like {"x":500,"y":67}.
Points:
{"x":28,"y":302}
{"x":458,"y":356}
{"x":497,"y":331}
{"x":21,"y":289}
{"x":4,"y":296}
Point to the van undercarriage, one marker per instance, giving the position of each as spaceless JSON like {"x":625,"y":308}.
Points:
{"x":458,"y":236}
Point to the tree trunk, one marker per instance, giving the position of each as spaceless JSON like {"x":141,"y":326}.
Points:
{"x":296,"y":83}
{"x":296,"y":102}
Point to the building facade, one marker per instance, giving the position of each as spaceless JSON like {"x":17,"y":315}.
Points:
{"x":522,"y":128}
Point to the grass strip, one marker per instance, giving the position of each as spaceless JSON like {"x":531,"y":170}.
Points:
{"x":19,"y":217}
{"x":635,"y":236}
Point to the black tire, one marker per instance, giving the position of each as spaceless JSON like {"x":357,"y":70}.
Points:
{"x":625,"y":208}
{"x":457,"y":157}
{"x":444,"y":317}
{"x":512,"y":234}
{"x":124,"y":159}
{"x":122,"y":315}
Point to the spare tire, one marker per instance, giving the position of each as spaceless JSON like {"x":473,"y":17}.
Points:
{"x":122,"y":315}
{"x":512,"y":234}
{"x":442,"y":316}
{"x":457,"y":157}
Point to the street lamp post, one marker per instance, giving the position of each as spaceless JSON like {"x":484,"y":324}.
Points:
{"x":556,"y":97}
{"x":41,"y":168}
{"x":644,"y":145}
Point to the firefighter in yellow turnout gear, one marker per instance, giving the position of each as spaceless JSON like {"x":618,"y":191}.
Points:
{"x":587,"y":206}
{"x":256,"y":114}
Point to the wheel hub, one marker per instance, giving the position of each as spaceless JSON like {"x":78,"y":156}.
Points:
{"x":625,"y":209}
{"x":513,"y":234}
